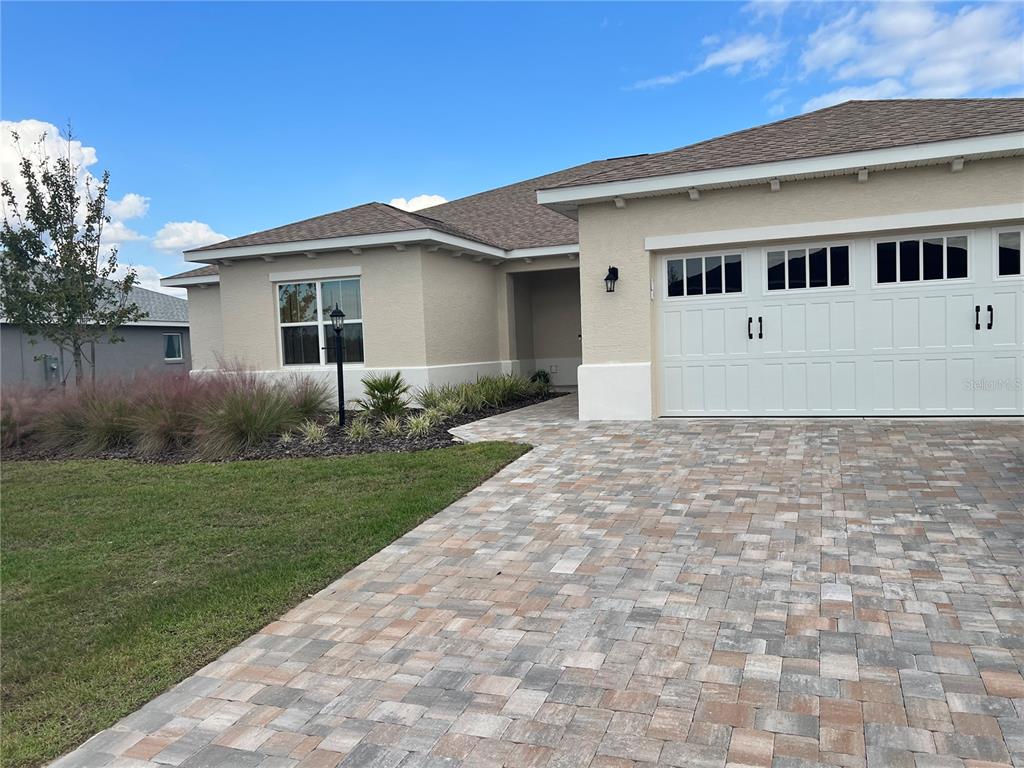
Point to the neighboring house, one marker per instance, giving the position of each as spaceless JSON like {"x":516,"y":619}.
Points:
{"x":160,"y":342}
{"x":859,"y":260}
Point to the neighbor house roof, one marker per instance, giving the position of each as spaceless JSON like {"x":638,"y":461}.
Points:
{"x":854,"y":126}
{"x":159,"y":307}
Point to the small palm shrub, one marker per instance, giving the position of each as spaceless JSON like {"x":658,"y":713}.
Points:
{"x":313,"y":432}
{"x":385,"y":394}
{"x":359,"y":429}
{"x":390,"y":426}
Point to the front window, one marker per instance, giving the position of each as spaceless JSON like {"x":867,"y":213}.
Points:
{"x":705,"y":275}
{"x":172,"y":347}
{"x":915,"y":259}
{"x":304,"y":309}
{"x":820,"y":266}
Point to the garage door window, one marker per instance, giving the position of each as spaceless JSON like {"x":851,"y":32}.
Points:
{"x":1009,"y":253}
{"x":819,"y":266}
{"x":915,"y":259}
{"x":705,"y":275}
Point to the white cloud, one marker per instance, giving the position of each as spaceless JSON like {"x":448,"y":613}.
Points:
{"x":182,"y":235}
{"x":117,"y":232}
{"x":131,"y":206}
{"x":417,"y":203}
{"x":149,"y":277}
{"x":749,"y":52}
{"x":917,"y":50}
{"x":761,"y":8}
{"x":883,"y":89}
{"x":754,"y":50}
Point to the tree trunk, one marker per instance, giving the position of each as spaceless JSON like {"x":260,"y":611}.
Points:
{"x":76,"y":353}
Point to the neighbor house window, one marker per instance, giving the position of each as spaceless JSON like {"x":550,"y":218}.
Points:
{"x":819,"y":266}
{"x":172,"y":347}
{"x":705,"y":275}
{"x":915,"y":259}
{"x":304,"y":315}
{"x":1009,"y":253}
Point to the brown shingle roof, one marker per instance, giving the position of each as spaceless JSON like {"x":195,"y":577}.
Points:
{"x":206,"y":271}
{"x":367,"y":219}
{"x":507,"y":217}
{"x":853,"y":126}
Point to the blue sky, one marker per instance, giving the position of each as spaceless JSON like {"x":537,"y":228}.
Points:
{"x":217,"y":119}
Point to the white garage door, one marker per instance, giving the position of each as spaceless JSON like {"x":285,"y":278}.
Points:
{"x":906,"y":324}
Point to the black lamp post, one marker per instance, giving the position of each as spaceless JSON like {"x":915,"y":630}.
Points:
{"x":338,"y":324}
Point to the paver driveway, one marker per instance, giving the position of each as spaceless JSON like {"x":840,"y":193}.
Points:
{"x":687,"y":593}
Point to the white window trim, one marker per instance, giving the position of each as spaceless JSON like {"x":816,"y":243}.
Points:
{"x":995,"y":252}
{"x":921,"y":237}
{"x":808,"y":247}
{"x":320,"y":323}
{"x":181,"y":348}
{"x":704,"y":255}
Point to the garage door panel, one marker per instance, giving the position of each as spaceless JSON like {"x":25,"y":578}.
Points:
{"x":736,"y":342}
{"x":906,"y":320}
{"x":819,"y":327}
{"x":960,"y":320}
{"x":1006,"y":318}
{"x":907,"y":385}
{"x":843,"y":326}
{"x":844,"y":386}
{"x":672,"y":334}
{"x":794,"y":328}
{"x":737,"y":388}
{"x":770,"y":388}
{"x":772,"y":329}
{"x":713,"y":331}
{"x":959,"y":383}
{"x":882,"y":376}
{"x":819,"y":386}
{"x":693,"y":333}
{"x":881,"y":325}
{"x":672,"y":389}
{"x":693,"y":389}
{"x":714,"y":388}
{"x":933,"y":329}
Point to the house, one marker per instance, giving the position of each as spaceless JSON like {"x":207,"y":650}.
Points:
{"x":860,"y":260}
{"x":158,"y":342}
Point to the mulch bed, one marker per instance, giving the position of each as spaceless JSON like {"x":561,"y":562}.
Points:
{"x":334,"y":444}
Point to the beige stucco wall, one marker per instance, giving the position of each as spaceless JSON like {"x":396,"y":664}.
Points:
{"x":392,"y":296}
{"x":617,"y":327}
{"x":460,"y":317}
{"x":205,"y":327}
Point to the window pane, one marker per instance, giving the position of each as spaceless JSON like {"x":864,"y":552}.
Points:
{"x":1009,"y":253}
{"x":797,"y":269}
{"x":910,"y":260}
{"x":351,"y":343}
{"x":840,"y":258}
{"x":818,"y":262}
{"x":733,"y":273}
{"x":297,"y":302}
{"x":694,"y":276}
{"x":172,"y":346}
{"x":776,"y":270}
{"x":713,"y":274}
{"x":933,"y":259}
{"x":676,"y":286}
{"x":344,"y":293}
{"x":301,"y":345}
{"x":956,"y":257}
{"x":885,"y":256}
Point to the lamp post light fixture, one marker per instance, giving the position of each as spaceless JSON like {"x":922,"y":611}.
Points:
{"x":338,"y":324}
{"x":610,"y":278}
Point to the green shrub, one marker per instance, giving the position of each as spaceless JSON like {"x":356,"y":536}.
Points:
{"x":313,"y":432}
{"x":359,"y":429}
{"x":385,"y":394}
{"x":471,"y":397}
{"x":449,"y":408}
{"x":286,"y":438}
{"x":390,"y":426}
{"x":541,"y":380}
{"x":166,"y":410}
{"x":90,"y":421}
{"x":419,"y":425}
{"x":309,"y":397}
{"x":245,"y":414}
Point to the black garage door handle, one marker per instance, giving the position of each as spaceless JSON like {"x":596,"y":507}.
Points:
{"x":991,"y":316}
{"x":760,"y":328}
{"x":750,"y":322}
{"x":977,"y":317}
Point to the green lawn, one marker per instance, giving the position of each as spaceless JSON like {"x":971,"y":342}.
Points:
{"x":120,"y":579}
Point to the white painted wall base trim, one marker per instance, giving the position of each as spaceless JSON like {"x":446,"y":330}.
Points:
{"x":615,"y":392}
{"x":565,"y":375}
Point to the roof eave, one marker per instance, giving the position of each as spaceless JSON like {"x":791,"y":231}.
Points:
{"x":352,"y":242}
{"x":184,"y":282}
{"x":566,"y":199}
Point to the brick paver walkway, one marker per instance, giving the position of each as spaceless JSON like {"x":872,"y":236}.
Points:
{"x":683,"y":593}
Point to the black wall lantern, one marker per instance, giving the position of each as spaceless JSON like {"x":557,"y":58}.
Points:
{"x":610,"y":278}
